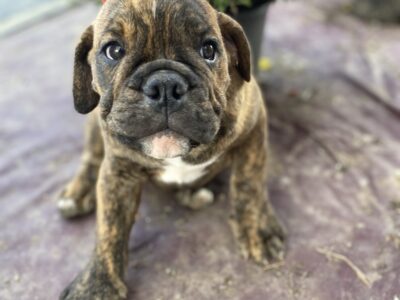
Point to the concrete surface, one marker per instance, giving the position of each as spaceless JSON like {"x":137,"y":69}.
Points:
{"x":334,"y":100}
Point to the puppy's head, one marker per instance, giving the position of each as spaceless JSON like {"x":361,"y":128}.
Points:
{"x":160,"y":71}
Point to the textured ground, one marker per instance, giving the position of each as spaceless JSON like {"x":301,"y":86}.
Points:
{"x":11,"y":8}
{"x":334,"y":99}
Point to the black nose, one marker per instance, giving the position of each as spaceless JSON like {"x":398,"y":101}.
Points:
{"x":165,"y":88}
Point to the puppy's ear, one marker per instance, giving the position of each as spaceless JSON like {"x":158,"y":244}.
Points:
{"x":85,"y":98}
{"x":236,"y":44}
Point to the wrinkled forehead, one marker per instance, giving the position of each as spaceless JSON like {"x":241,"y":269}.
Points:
{"x":127,"y":16}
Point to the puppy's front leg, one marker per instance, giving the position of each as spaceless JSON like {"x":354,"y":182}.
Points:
{"x":118,"y":197}
{"x":253,"y":220}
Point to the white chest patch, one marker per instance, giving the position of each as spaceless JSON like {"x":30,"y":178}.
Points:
{"x":176,"y":171}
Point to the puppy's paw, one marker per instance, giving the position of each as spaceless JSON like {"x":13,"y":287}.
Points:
{"x":263,"y":244}
{"x":79,"y":196}
{"x":195,"y":200}
{"x":94,"y":284}
{"x":68,"y":207}
{"x":74,"y":202}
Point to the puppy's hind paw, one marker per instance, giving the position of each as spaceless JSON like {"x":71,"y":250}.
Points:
{"x":67,"y":207}
{"x":70,"y":208}
{"x":195,"y":200}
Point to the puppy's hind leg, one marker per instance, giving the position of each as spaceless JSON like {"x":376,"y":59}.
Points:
{"x":79,"y":196}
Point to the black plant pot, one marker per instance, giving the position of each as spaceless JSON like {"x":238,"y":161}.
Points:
{"x":253,"y":22}
{"x":386,"y":11}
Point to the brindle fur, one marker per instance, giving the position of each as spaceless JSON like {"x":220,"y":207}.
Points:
{"x":235,"y":130}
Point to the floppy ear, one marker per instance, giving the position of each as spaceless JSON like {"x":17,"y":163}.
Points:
{"x":237,"y":44}
{"x":85,"y":98}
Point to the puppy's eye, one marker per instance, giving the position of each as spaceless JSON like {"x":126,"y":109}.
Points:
{"x":114,"y":51}
{"x":209,"y":51}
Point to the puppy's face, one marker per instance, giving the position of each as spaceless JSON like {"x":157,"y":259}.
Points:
{"x":160,"y":70}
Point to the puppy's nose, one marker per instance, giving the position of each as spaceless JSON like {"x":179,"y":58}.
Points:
{"x":165,"y":88}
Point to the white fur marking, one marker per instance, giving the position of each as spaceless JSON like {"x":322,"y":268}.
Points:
{"x":204,"y":195}
{"x":154,"y":8}
{"x":177,"y":171}
{"x":66,"y":204}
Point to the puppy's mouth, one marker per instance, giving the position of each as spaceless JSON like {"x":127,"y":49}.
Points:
{"x":161,"y":145}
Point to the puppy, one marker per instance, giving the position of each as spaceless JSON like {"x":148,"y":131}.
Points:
{"x":174,"y":102}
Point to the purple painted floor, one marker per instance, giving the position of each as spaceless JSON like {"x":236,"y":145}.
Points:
{"x":334,"y":99}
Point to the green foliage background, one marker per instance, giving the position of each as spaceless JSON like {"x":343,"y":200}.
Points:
{"x":223,"y":5}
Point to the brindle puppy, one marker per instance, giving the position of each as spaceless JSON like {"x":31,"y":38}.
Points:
{"x":176,"y":105}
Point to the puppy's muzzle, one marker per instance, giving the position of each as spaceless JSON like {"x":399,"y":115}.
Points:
{"x":165,"y":90}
